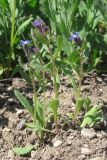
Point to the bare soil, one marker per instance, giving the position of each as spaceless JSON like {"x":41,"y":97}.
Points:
{"x":72,"y":143}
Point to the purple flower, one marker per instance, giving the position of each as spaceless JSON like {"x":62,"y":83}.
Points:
{"x":24,"y":42}
{"x":74,"y":36}
{"x":37,"y":23}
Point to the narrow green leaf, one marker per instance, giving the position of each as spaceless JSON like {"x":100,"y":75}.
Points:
{"x":23,"y":150}
{"x":31,"y":3}
{"x":1,"y":69}
{"x":22,"y":27}
{"x":53,"y":105}
{"x":36,"y":34}
{"x":36,"y":128}
{"x":59,"y":46}
{"x":92,"y":117}
{"x":24,"y":102}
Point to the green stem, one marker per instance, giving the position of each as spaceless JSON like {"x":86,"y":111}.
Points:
{"x":34,"y":93}
{"x":12,"y":31}
{"x":55,"y":88}
{"x":44,"y":99}
{"x":33,"y":85}
{"x":5,"y":29}
{"x":54,"y":79}
{"x":80,"y":82}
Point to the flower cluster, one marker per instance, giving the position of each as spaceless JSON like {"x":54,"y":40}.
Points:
{"x":39,"y":24}
{"x":75,"y":37}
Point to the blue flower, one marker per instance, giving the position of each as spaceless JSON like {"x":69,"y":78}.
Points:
{"x":24,"y":42}
{"x":74,"y":37}
{"x":37,"y":23}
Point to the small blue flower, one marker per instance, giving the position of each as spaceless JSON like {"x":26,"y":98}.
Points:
{"x":37,"y":23}
{"x":74,"y":37}
{"x":24,"y":42}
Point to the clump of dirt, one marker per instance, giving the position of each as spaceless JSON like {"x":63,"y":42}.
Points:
{"x":69,"y":144}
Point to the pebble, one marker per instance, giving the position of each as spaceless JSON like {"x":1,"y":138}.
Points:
{"x":89,"y":133}
{"x":21,"y":124}
{"x":11,"y":100}
{"x":85,"y":88}
{"x":81,"y":157}
{"x":86,"y":151}
{"x":19,"y":112}
{"x":6,"y":129}
{"x":32,"y":138}
{"x":97,"y":158}
{"x":10,"y":88}
{"x":10,"y":154}
{"x":57,"y":143}
{"x":99,"y":79}
{"x":33,"y":154}
{"x":69,"y":140}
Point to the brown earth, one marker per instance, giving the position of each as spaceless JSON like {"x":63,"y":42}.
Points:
{"x":70,"y":144}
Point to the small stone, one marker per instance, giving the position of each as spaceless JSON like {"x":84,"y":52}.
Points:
{"x":19,"y":112}
{"x":11,"y":100}
{"x":69,"y":140}
{"x":101,"y":90}
{"x":86,"y":151}
{"x":6,"y":129}
{"x":99,"y":135}
{"x":10,"y":154}
{"x":85,"y":88}
{"x":33,"y":154}
{"x":97,"y":158}
{"x":57,"y":143}
{"x":104,"y":134}
{"x":32,"y":138}
{"x":81,"y":157}
{"x":21,"y":124}
{"x":99,"y":79}
{"x":89,"y":133}
{"x":10,"y":88}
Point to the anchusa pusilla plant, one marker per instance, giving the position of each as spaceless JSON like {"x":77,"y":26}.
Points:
{"x":77,"y":59}
{"x":34,"y":50}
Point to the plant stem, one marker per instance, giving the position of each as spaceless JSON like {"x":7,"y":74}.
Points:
{"x":34,"y":93}
{"x":44,"y":99}
{"x":33,"y":84}
{"x":12,"y":31}
{"x":80,"y":82}
{"x":55,"y":88}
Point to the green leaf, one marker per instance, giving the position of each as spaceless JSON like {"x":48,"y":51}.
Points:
{"x":79,"y":104}
{"x":22,"y":27}
{"x":36,"y":34}
{"x":75,"y":87}
{"x":1,"y":69}
{"x":92,"y":117}
{"x":24,"y":102}
{"x":105,"y":38}
{"x":23,"y":150}
{"x":53,"y":105}
{"x":59,"y":46}
{"x":39,"y":113}
{"x":36,"y":128}
{"x":31,"y":3}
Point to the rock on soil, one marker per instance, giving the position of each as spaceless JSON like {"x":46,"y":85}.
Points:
{"x":89,"y":133}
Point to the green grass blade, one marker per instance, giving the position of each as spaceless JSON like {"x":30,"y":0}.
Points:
{"x":23,"y":150}
{"x":24,"y":102}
